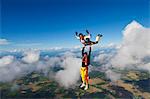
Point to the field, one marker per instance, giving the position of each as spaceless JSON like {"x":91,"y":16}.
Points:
{"x":36,"y":85}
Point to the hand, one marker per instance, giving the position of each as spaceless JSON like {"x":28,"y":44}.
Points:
{"x":76,"y":33}
{"x":87,"y":31}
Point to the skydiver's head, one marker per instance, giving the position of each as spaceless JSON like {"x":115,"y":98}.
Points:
{"x":85,"y":54}
{"x":81,"y":35}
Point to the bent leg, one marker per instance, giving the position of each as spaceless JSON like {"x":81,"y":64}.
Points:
{"x":90,"y":43}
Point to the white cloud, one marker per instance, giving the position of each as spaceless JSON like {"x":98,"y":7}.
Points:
{"x":135,"y":46}
{"x":70,"y":75}
{"x":103,"y":58}
{"x":133,"y":53}
{"x":3,"y":42}
{"x":31,"y":56}
{"x":28,"y":44}
{"x":77,"y":47}
{"x":111,"y":45}
{"x":12,"y":68}
{"x":15,"y":70}
{"x":113,"y":76}
{"x":6,"y":60}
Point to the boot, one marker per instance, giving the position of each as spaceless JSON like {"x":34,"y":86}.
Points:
{"x":82,"y":85}
{"x":86,"y":87}
{"x":97,"y":38}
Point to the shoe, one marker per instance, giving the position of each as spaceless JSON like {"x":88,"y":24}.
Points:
{"x":100,"y":35}
{"x":97,"y":38}
{"x":86,"y":87}
{"x":82,"y":85}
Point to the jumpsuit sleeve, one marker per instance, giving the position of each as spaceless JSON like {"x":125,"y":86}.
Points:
{"x":87,"y":32}
{"x":88,"y":35}
{"x":90,"y":51}
{"x":83,"y":51}
{"x":89,"y":56}
{"x":77,"y":37}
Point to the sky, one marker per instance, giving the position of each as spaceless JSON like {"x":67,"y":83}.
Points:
{"x":53,"y":23}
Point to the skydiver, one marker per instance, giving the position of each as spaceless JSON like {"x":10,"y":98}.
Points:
{"x":84,"y":68}
{"x":85,"y":39}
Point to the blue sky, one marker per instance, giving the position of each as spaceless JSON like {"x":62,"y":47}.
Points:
{"x":52,"y":23}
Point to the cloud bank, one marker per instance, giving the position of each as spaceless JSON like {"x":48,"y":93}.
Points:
{"x":70,"y":75}
{"x":12,"y":68}
{"x":134,"y":52}
{"x":6,"y":60}
{"x":3,"y":42}
{"x":135,"y":47}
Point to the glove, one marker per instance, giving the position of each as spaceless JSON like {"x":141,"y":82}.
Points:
{"x":87,"y":31}
{"x":76,"y":33}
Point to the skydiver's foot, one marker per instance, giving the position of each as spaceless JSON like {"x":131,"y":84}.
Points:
{"x":100,"y":35}
{"x":87,"y":32}
{"x":83,"y":85}
{"x":86,"y":87}
{"x":97,"y":38}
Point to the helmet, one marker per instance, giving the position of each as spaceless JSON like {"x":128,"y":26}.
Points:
{"x":80,"y":34}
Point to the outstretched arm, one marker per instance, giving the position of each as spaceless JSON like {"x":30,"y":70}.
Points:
{"x":89,"y":51}
{"x":89,"y":56}
{"x":87,"y":32}
{"x":83,"y":50}
{"x":88,"y":36}
{"x":76,"y":35}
